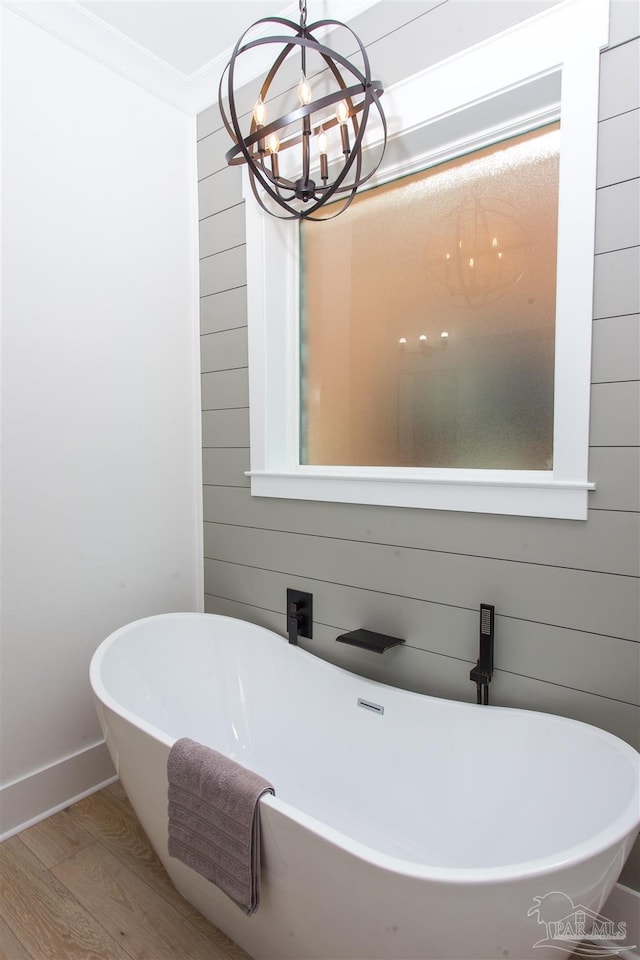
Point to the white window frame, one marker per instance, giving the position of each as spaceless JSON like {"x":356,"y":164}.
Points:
{"x":568,"y":38}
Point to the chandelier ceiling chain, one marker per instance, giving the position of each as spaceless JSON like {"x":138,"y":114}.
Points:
{"x":299,"y":161}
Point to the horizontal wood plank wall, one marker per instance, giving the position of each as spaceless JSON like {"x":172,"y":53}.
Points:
{"x":566,"y":593}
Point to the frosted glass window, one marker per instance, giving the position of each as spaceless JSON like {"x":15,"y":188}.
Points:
{"x":428,"y":316}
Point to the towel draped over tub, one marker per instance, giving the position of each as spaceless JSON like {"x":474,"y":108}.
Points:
{"x":214,"y":819}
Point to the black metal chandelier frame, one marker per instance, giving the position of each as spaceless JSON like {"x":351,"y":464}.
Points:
{"x":303,"y":197}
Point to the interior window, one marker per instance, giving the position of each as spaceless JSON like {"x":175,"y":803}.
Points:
{"x":428,"y":316}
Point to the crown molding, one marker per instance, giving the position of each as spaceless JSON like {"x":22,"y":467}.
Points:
{"x":191,"y":93}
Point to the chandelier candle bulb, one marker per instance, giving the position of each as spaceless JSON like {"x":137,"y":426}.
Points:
{"x":305,"y":96}
{"x":324,"y":168}
{"x":260,"y":116}
{"x":322,"y":149}
{"x":260,"y":112}
{"x":273,"y":145}
{"x":342,"y":113}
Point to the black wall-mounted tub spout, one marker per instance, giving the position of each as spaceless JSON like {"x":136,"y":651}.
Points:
{"x":483,"y":670}
{"x":368,"y":640}
{"x":299,"y":615}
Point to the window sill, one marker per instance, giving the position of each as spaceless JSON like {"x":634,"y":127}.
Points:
{"x":517,"y":493}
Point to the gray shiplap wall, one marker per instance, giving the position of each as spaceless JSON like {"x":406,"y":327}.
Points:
{"x":566,"y":593}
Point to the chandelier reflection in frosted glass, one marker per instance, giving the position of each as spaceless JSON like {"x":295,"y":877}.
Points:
{"x":305,"y":146}
{"x":481,"y":251}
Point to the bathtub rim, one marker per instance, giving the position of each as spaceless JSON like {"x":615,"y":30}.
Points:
{"x":614,"y":834}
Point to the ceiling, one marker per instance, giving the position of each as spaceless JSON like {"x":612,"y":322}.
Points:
{"x":176,"y":49}
{"x":186,"y":34}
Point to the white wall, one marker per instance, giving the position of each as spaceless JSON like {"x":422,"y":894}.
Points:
{"x":101,"y":506}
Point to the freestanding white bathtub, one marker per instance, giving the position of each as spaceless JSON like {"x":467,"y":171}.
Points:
{"x":425,"y":831}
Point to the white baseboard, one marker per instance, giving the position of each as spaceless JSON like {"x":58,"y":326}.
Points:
{"x":623,"y":906}
{"x":39,"y":794}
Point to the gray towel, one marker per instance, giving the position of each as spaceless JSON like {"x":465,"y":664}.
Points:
{"x":214,"y":819}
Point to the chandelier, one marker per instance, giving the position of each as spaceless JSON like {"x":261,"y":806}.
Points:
{"x":313,"y":152}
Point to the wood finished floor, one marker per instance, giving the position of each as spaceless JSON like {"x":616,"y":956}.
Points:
{"x":85,"y":884}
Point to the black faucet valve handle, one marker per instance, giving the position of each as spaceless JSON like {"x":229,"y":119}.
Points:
{"x":299,"y":615}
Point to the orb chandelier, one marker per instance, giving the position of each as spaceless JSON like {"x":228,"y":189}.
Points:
{"x":314,"y":152}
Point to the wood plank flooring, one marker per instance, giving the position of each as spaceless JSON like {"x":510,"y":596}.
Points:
{"x":85,"y":884}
